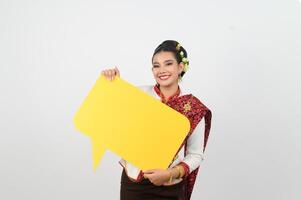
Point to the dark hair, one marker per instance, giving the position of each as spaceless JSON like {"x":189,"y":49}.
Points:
{"x":170,"y":46}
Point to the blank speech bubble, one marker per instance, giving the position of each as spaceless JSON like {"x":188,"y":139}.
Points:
{"x":120,"y":117}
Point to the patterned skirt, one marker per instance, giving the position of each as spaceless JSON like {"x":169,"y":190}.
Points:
{"x":146,"y":190}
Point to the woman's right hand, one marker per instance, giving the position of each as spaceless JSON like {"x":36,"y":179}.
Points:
{"x":110,"y":73}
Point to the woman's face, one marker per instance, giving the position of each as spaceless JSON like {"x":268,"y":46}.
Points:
{"x":165,"y":68}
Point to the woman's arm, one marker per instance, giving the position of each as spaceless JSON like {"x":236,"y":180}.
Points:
{"x":195,"y":154}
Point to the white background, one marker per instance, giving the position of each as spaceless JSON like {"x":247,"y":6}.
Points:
{"x":244,"y":65}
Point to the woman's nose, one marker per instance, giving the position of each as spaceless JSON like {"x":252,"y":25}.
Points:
{"x":162,"y":71}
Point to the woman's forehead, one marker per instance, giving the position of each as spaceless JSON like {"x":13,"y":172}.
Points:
{"x":163,"y":56}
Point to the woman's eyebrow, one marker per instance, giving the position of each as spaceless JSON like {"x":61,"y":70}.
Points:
{"x":164,"y":61}
{"x":167,"y":60}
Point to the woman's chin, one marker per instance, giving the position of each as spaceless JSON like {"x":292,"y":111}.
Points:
{"x":164,"y":83}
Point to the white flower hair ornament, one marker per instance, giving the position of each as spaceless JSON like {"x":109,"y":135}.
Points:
{"x":183,"y":58}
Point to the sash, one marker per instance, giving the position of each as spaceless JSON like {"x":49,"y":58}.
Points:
{"x":194,"y":110}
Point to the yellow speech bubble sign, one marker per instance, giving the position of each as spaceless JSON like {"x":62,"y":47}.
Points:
{"x":120,"y":117}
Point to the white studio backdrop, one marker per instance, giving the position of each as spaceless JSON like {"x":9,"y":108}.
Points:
{"x":244,"y":65}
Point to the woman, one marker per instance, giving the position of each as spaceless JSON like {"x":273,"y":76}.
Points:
{"x":169,"y":64}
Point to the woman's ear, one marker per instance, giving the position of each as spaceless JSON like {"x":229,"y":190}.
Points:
{"x":181,"y":67}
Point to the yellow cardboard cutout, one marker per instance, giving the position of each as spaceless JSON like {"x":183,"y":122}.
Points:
{"x":120,"y":117}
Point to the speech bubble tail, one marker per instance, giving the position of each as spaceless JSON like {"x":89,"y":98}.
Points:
{"x":98,"y":151}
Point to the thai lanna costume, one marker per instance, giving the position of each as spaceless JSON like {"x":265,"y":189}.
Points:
{"x":190,"y":154}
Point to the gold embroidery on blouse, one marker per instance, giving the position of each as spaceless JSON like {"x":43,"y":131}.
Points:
{"x":187,"y":107}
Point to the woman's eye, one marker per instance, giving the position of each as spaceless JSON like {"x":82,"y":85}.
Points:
{"x":169,"y":64}
{"x":156,"y":66}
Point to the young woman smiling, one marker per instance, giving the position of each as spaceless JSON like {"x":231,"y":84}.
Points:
{"x":169,"y":64}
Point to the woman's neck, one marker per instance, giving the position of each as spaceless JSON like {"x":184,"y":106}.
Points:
{"x":169,"y":91}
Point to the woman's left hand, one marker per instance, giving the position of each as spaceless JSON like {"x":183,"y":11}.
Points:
{"x":157,"y":176}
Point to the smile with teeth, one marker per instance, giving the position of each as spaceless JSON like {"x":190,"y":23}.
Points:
{"x":165,"y":77}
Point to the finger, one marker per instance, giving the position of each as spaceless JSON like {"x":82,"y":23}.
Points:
{"x":111,"y":74}
{"x":117,"y":72}
{"x":150,"y":171}
{"x":106,"y":74}
{"x":114,"y":73}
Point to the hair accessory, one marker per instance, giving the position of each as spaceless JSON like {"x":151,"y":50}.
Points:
{"x":178,"y":46}
{"x":185,"y":61}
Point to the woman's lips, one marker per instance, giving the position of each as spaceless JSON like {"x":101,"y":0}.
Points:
{"x":165,"y":77}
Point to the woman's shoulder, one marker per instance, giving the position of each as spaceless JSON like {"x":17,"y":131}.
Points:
{"x":197,"y":102}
